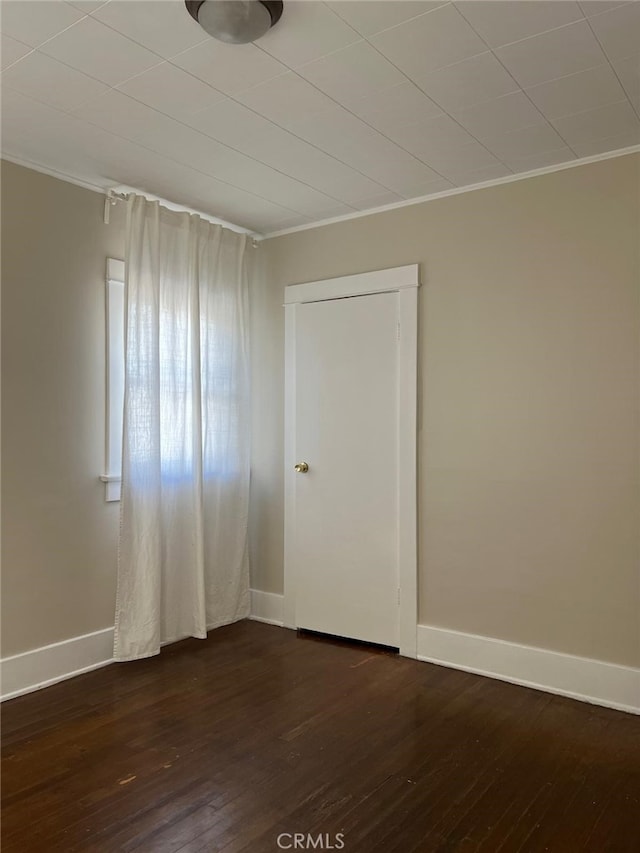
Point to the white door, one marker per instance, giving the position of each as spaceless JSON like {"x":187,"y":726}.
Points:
{"x":345,"y":536}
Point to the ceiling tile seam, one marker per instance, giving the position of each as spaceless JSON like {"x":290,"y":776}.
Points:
{"x":519,"y":88}
{"x":362,"y":38}
{"x":484,"y":100}
{"x":524,"y":127}
{"x":300,"y":138}
{"x":545,"y":120}
{"x":121,"y":190}
{"x":572,"y":74}
{"x":71,"y":112}
{"x":535,"y":35}
{"x":506,"y":179}
{"x":582,"y":8}
{"x":228,"y":183}
{"x":326,"y":153}
{"x":289,"y":69}
{"x":171,"y":62}
{"x":208,"y":175}
{"x":99,"y":6}
{"x":161,"y":59}
{"x":173,"y":160}
{"x":128,"y":37}
{"x":259,"y":115}
{"x":374,"y":129}
{"x":235,"y":151}
{"x":312,"y":144}
{"x":611,"y":65}
{"x":64,"y":110}
{"x":444,"y":111}
{"x":59,"y":32}
{"x":118,"y":86}
{"x":139,"y":43}
{"x":232,"y":97}
{"x":55,"y":35}
{"x":364,"y":121}
{"x":523,"y":158}
{"x":581,"y":3}
{"x":52,"y":172}
{"x":109,"y":87}
{"x":386,"y":29}
{"x":38,"y":100}
{"x":624,"y":100}
{"x":24,"y":56}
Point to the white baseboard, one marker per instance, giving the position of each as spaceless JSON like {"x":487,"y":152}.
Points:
{"x":41,"y":667}
{"x":594,"y":681}
{"x":47,"y":665}
{"x":267,"y":607}
{"x":589,"y":680}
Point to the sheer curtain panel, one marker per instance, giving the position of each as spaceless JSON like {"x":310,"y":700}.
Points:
{"x":183,"y":561}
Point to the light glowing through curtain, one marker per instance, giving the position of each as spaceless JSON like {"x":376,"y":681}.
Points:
{"x":183,"y":564}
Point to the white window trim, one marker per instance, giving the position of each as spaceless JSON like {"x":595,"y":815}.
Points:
{"x":114,"y":378}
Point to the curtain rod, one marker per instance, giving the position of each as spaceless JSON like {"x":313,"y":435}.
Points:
{"x":113,"y":196}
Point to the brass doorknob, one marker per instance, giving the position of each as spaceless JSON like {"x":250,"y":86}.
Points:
{"x":302,"y":467}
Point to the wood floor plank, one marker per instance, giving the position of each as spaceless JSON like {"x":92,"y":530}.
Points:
{"x":224,"y":744}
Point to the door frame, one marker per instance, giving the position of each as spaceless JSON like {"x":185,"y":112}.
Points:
{"x":404,"y":281}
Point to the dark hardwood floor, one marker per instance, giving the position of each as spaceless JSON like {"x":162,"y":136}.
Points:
{"x":256,"y":733}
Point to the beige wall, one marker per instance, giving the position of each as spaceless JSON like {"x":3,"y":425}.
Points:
{"x":59,"y":537}
{"x":528,"y":404}
{"x":529,"y":420}
{"x":266,"y":516}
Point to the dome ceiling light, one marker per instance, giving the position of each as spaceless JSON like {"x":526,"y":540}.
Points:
{"x":235,"y":21}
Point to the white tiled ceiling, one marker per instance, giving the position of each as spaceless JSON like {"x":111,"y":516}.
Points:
{"x":97,"y":50}
{"x":344,"y":106}
{"x":11,"y":51}
{"x":550,"y":55}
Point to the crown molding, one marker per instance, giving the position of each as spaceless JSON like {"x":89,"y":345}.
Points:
{"x":125,"y":189}
{"x":54,"y":173}
{"x":508,"y":179}
{"x":114,"y":189}
{"x":346,"y":217}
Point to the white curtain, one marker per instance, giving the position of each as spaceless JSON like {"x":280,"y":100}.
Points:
{"x":183,"y":560}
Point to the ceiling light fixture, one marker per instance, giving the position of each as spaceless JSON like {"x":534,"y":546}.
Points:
{"x":235,"y":21}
